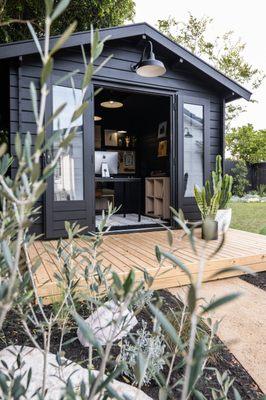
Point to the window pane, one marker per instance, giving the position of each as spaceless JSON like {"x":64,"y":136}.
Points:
{"x":193,"y":147}
{"x":68,"y":176}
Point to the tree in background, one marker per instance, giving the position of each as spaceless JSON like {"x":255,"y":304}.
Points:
{"x":246,"y":144}
{"x":101,"y":14}
{"x":224,"y":52}
{"x":240,"y":182}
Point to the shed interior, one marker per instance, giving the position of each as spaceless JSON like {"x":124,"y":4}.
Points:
{"x":134,"y":139}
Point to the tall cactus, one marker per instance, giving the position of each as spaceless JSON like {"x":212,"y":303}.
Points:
{"x":222,"y":184}
{"x":211,"y":199}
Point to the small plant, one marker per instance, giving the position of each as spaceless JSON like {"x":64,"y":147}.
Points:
{"x":180,"y":320}
{"x":207,"y":202}
{"x":263,"y":231}
{"x":222,"y":184}
{"x":225,"y":383}
{"x":143,"y":298}
{"x":152,"y":348}
{"x":212,"y":198}
{"x":241,"y":182}
{"x":262,"y":190}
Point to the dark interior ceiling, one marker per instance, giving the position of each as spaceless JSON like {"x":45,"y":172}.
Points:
{"x":134,"y":104}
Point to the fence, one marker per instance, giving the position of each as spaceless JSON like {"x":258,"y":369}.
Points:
{"x":256,"y":173}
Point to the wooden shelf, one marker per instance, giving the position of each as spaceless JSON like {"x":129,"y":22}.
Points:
{"x":157,"y":197}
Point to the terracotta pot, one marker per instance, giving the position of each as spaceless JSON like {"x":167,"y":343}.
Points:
{"x":209,"y":230}
{"x":223,"y":217}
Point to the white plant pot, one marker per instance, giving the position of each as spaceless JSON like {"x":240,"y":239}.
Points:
{"x":223,"y":217}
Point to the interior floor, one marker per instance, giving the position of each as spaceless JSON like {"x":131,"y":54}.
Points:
{"x":132,"y":162}
{"x":131,"y":220}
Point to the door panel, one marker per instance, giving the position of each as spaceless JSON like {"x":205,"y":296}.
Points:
{"x":193,"y":149}
{"x":70,"y":190}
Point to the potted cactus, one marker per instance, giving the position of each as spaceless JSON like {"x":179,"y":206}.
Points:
{"x":223,"y":185}
{"x":213,"y":201}
{"x":208,"y":205}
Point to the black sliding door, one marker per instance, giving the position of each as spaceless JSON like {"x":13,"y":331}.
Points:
{"x":70,"y":191}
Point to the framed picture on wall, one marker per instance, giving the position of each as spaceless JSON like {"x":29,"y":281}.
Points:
{"x":162,"y":133}
{"x":98,"y":139}
{"x":110,"y":137}
{"x":162,"y":148}
{"x":127,"y":162}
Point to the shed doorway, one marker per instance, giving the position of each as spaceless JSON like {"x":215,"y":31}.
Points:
{"x":132,"y":158}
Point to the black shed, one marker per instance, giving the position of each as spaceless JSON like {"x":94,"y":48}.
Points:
{"x":145,"y":141}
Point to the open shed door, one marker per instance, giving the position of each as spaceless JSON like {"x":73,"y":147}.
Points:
{"x":70,"y":192}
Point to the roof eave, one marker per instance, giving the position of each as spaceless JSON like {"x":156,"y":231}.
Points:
{"x":16,"y":49}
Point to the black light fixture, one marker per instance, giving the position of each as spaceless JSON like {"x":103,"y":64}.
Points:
{"x":148,"y":66}
{"x":188,"y":134}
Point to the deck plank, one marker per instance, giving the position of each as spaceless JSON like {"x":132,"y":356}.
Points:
{"x":137,"y":250}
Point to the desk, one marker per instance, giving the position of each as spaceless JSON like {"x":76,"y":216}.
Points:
{"x":125,"y":181}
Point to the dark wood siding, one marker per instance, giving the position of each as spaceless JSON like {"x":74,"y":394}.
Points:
{"x":179,"y":77}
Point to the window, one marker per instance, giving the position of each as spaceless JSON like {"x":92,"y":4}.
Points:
{"x":68,"y":176}
{"x":193,"y":147}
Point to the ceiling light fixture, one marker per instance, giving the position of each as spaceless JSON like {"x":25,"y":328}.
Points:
{"x":112,"y":104}
{"x":97,"y":118}
{"x":148,"y":66}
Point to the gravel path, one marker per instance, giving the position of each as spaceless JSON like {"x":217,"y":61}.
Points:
{"x":243,"y":325}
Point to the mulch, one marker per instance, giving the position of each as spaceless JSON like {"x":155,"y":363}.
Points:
{"x":259,"y":279}
{"x":224,"y":360}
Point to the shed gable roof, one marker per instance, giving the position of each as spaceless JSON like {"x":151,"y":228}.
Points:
{"x":15,"y":49}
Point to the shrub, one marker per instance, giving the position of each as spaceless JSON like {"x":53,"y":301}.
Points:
{"x":241,"y":182}
{"x":152,"y":348}
{"x":263,"y":231}
{"x":261,"y":190}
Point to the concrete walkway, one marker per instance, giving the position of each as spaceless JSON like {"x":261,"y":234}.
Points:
{"x":243,"y":326}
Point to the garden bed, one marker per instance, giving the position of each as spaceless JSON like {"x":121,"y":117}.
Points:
{"x":259,"y":279}
{"x":223,"y":360}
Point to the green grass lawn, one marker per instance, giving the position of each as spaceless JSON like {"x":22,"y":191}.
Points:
{"x":249,"y":217}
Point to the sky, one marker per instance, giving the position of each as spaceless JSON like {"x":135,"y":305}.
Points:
{"x":245,"y":18}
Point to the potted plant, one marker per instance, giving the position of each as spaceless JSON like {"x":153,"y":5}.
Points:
{"x":223,"y":185}
{"x":208,"y":205}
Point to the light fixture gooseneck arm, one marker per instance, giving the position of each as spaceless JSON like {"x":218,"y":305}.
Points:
{"x":144,"y":54}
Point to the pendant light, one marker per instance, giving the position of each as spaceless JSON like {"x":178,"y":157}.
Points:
{"x":112,"y":104}
{"x":149,"y":66}
{"x":97,"y":118}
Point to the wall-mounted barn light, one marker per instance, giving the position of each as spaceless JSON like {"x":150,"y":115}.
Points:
{"x":148,"y":66}
{"x":187,"y":133}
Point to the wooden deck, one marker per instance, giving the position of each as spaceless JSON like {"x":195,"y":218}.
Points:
{"x":136,"y":250}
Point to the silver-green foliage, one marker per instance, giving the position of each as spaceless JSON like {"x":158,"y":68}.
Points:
{"x":152,"y":348}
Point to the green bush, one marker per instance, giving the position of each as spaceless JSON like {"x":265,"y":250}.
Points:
{"x":263,"y":231}
{"x":261,"y":190}
{"x":241,"y":182}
